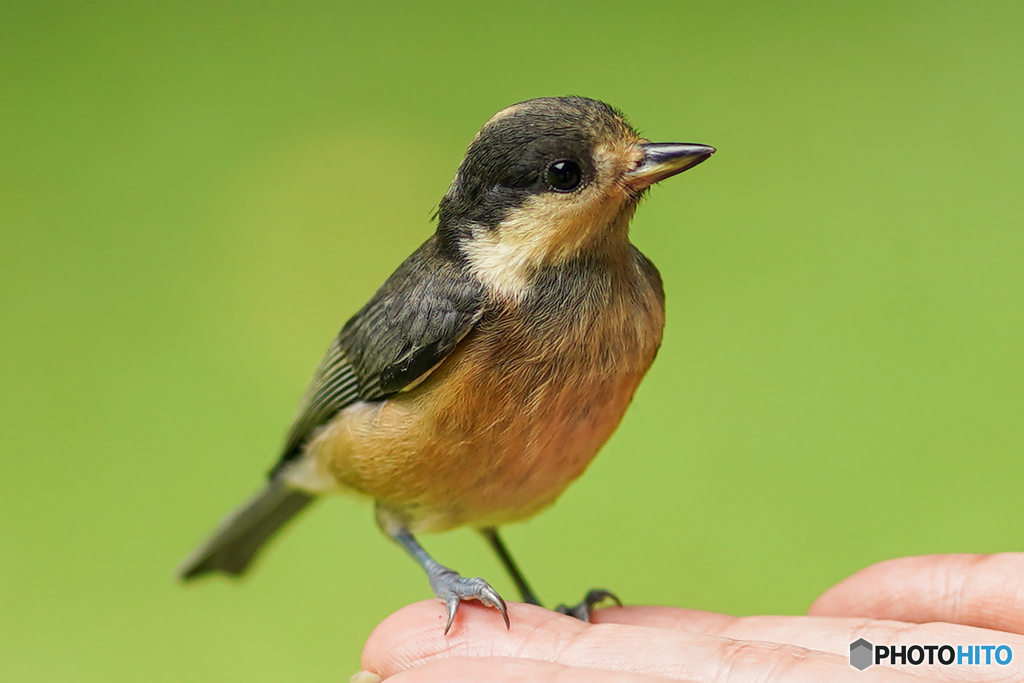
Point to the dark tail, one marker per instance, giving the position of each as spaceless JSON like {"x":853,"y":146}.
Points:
{"x":232,"y":547}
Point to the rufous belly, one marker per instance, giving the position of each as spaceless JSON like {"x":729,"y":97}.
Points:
{"x":482,"y":442}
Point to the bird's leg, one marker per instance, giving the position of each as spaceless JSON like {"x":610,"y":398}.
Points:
{"x":491,"y":534}
{"x":448,"y":586}
{"x":580,"y":611}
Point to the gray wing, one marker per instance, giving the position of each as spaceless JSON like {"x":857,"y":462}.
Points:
{"x":409,"y":326}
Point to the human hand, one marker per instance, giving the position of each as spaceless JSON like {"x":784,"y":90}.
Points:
{"x":941,"y":599}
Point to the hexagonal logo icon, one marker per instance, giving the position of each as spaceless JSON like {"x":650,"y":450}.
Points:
{"x":861,"y":654}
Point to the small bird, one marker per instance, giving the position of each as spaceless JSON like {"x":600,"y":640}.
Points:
{"x":485,"y":374}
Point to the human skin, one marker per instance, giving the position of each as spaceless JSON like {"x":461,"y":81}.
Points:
{"x":938,"y":599}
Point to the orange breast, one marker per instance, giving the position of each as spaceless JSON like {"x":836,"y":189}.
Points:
{"x":513,"y":416}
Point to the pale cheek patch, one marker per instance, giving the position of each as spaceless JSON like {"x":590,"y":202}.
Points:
{"x":503,"y":265}
{"x":551,"y":228}
{"x":546,"y":230}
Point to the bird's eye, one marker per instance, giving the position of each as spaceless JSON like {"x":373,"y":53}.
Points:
{"x":564,"y":175}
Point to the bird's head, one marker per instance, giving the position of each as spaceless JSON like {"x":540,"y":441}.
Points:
{"x":548,"y":180}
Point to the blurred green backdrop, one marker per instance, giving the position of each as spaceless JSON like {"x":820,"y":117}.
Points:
{"x":194,"y":197}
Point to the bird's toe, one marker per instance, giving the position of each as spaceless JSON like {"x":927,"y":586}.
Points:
{"x":593,"y":597}
{"x":452,"y":589}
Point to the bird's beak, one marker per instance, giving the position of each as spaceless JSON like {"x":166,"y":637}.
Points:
{"x":662,"y":160}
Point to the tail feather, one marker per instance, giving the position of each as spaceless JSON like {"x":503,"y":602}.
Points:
{"x":233,"y":545}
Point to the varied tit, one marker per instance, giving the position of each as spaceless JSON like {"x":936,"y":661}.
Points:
{"x":485,"y":374}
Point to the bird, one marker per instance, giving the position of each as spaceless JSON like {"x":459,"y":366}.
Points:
{"x":487,"y":371}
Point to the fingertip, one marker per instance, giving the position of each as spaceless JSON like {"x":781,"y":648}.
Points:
{"x":850,"y":597}
{"x":415,"y":634}
{"x":365,"y":677}
{"x":418,"y":622}
{"x":967,"y":589}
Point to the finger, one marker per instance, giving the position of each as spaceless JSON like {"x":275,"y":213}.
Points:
{"x":975,"y":590}
{"x":511,"y":670}
{"x":827,"y":634}
{"x":413,"y":636}
{"x":664,"y":617}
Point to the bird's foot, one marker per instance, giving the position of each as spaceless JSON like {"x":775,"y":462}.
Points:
{"x":593,"y":597}
{"x":451,"y":589}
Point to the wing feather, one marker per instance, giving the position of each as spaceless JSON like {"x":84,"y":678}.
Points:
{"x":409,"y":327}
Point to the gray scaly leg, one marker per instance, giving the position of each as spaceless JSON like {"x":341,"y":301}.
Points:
{"x":448,"y":586}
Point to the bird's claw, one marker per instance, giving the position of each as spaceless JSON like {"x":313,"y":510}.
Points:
{"x":593,"y":597}
{"x":452,"y":589}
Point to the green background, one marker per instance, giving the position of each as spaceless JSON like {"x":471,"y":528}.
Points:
{"x":194,"y":198}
